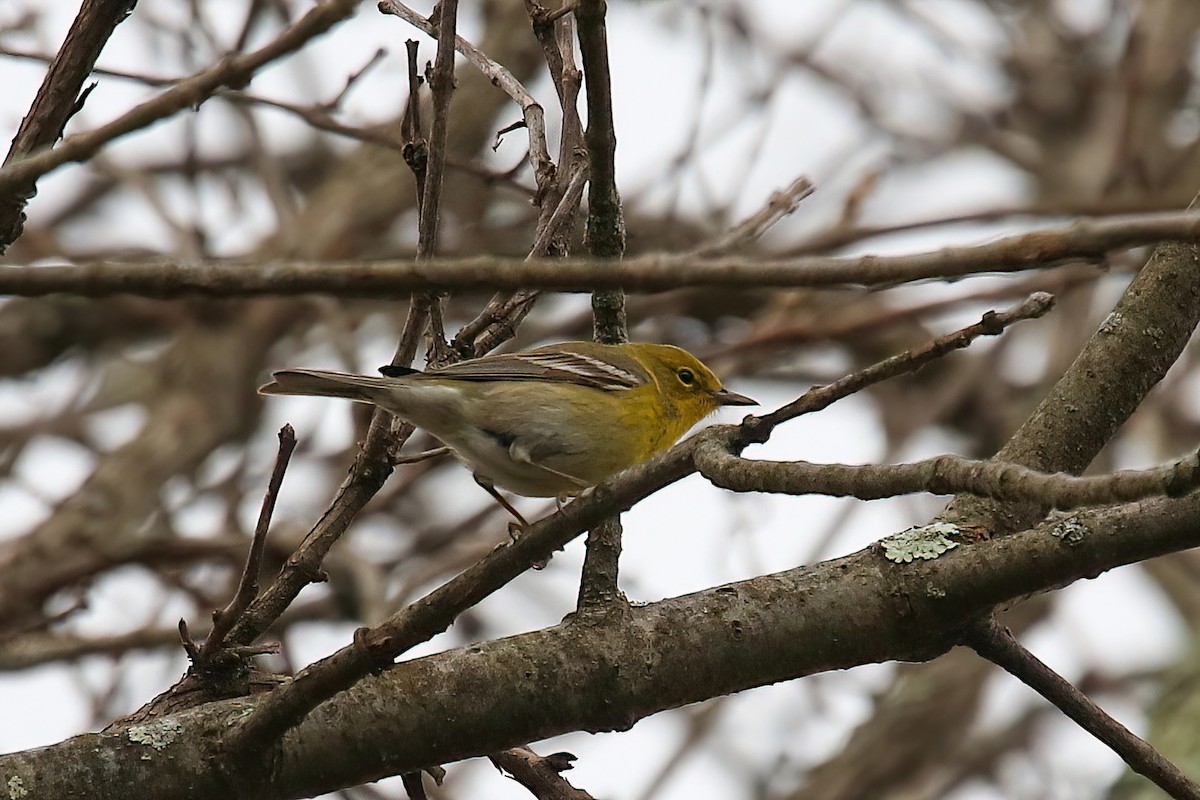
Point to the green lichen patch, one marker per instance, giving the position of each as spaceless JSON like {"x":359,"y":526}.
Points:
{"x":157,"y":734}
{"x":1112,"y":323}
{"x":925,"y":542}
{"x":1069,"y":531}
{"x":16,"y":788}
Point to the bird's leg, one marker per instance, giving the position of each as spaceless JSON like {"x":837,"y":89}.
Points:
{"x":521,"y":523}
{"x":560,"y":499}
{"x":424,"y":455}
{"x":521,"y":456}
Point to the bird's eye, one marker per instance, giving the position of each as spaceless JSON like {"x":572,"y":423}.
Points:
{"x":686,"y":376}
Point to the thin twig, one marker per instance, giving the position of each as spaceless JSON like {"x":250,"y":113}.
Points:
{"x":157,"y":81}
{"x":780,"y":205}
{"x":416,"y":148}
{"x":353,"y":80}
{"x":541,"y":775}
{"x":993,"y":323}
{"x":997,"y":644}
{"x":563,"y":212}
{"x":553,"y":16}
{"x":442,"y":87}
{"x":539,"y":154}
{"x":424,"y":455}
{"x":247,"y":591}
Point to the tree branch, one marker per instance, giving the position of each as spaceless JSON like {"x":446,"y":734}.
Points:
{"x":617,"y":669}
{"x":992,"y":323}
{"x":223,"y":621}
{"x":233,"y":71}
{"x":598,"y":582}
{"x":997,"y":644}
{"x":57,"y":100}
{"x":945,"y":474}
{"x":441,"y":81}
{"x":534,"y":116}
{"x":1083,"y":240}
{"x":1130,"y":353}
{"x":539,"y":774}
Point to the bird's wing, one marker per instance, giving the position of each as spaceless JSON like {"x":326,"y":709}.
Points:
{"x":550,"y":364}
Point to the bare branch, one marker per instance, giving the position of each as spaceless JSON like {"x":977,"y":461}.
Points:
{"x":997,"y":645}
{"x":57,"y":99}
{"x":431,"y":172}
{"x":535,"y":125}
{"x":598,"y":582}
{"x":541,"y":775}
{"x":992,"y":324}
{"x":1084,"y":240}
{"x":779,"y":205}
{"x":247,"y":591}
{"x":853,"y":610}
{"x":442,"y":85}
{"x":233,"y":71}
{"x":416,"y":147}
{"x":946,"y":474}
{"x":605,"y":221}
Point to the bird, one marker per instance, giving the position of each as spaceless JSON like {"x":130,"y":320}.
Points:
{"x":547,"y":422}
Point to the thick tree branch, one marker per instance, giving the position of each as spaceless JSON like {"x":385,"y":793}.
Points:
{"x":609,"y":673}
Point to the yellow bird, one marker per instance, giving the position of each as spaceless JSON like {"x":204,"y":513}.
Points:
{"x":547,"y":422}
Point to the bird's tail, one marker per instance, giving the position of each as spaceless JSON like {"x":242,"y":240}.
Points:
{"x":318,"y":383}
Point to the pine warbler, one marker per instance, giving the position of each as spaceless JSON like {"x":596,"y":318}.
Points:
{"x":547,"y":422}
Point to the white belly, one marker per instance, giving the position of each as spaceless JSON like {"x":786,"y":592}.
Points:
{"x":444,"y":412}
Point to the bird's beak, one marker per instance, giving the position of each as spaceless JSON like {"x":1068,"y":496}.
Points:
{"x":728,"y":398}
